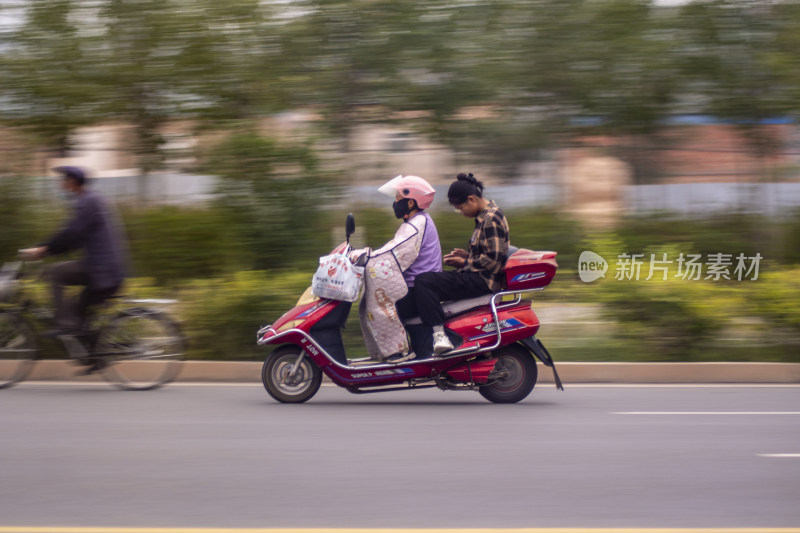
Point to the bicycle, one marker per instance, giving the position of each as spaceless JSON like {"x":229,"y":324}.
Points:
{"x":135,"y":348}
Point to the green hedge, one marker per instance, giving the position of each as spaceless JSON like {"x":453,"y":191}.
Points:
{"x":687,"y":320}
{"x":776,"y":300}
{"x":24,"y":221}
{"x":222,"y":315}
{"x":673,"y":320}
{"x":198,"y":256}
{"x":172,"y":245}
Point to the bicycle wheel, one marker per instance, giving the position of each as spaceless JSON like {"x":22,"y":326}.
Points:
{"x":140,"y":349}
{"x":17,"y":348}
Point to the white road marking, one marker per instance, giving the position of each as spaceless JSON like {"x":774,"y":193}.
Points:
{"x":780,"y":455}
{"x":35,"y":529}
{"x":710,"y":413}
{"x":676,"y":385}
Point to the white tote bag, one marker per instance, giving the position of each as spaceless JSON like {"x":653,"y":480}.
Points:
{"x":337,"y":278}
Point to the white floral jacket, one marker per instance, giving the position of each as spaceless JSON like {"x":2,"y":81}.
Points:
{"x":383,"y":331}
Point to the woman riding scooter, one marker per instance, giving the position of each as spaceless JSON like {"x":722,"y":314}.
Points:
{"x":391,"y":270}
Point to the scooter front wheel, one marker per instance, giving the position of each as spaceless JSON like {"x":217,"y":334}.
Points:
{"x":516,"y":375}
{"x":276,"y":375}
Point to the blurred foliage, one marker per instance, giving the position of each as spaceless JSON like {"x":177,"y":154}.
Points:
{"x":24,"y":222}
{"x":196,"y":256}
{"x":776,"y":301}
{"x":271,"y":195}
{"x":672,"y":320}
{"x":222,"y":315}
{"x":729,"y":232}
{"x":788,"y":238}
{"x":201,"y":257}
{"x":17,"y":228}
{"x":500,"y":81}
{"x":669,"y":320}
{"x":171,"y":244}
{"x":534,"y":70}
{"x":676,"y":319}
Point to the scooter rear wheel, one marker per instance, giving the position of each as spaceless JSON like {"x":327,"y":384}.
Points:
{"x":519,"y":374}
{"x":285,"y":388}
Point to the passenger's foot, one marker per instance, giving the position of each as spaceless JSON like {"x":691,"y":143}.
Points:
{"x":400,"y":357}
{"x":441,"y":343}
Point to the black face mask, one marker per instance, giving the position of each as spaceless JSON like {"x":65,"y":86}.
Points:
{"x":401,"y":208}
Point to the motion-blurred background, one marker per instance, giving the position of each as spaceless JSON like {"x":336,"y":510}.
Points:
{"x":234,"y":137}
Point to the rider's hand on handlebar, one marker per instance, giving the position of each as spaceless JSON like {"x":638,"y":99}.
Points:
{"x":33,"y":254}
{"x":360,"y":256}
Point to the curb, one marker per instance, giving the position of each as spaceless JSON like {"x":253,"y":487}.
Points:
{"x":569,"y":372}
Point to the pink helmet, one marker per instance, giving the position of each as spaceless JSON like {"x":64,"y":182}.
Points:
{"x":412,"y":187}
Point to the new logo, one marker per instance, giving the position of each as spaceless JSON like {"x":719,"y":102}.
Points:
{"x":591,"y":266}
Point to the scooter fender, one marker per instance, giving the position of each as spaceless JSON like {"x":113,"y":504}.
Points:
{"x":537,"y":348}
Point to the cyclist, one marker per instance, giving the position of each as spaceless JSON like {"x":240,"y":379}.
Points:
{"x":102,"y":269}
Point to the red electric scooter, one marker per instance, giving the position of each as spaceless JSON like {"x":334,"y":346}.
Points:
{"x":493,"y":335}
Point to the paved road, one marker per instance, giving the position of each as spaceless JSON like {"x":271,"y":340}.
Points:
{"x":228,"y":456}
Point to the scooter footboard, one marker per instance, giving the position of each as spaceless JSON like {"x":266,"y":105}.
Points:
{"x":537,"y":348}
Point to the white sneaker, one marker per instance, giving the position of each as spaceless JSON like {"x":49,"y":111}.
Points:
{"x":441,"y":343}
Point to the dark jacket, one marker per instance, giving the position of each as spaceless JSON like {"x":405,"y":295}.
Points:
{"x":93,"y":228}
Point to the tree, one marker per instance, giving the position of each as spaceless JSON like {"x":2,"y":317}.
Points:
{"x":272,"y":193}
{"x":142,"y":62}
{"x":44,"y":83}
{"x":740,"y":61}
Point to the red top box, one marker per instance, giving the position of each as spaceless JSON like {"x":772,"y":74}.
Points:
{"x":526,"y":269}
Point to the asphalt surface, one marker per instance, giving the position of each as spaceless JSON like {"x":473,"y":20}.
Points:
{"x":87,"y":455}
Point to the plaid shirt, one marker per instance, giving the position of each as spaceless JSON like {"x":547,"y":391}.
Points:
{"x":488,"y":247}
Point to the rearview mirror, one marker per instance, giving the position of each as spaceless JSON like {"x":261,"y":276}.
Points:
{"x":350,"y":226}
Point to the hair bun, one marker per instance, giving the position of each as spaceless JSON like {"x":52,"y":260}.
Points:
{"x":469,"y":178}
{"x":464,"y":186}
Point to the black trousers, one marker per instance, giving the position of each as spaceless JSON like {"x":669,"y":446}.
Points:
{"x":72,"y":313}
{"x":421,"y":335}
{"x":431,"y":288}
{"x":407,"y":305}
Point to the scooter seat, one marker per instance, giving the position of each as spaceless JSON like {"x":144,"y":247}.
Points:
{"x":454,"y":307}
